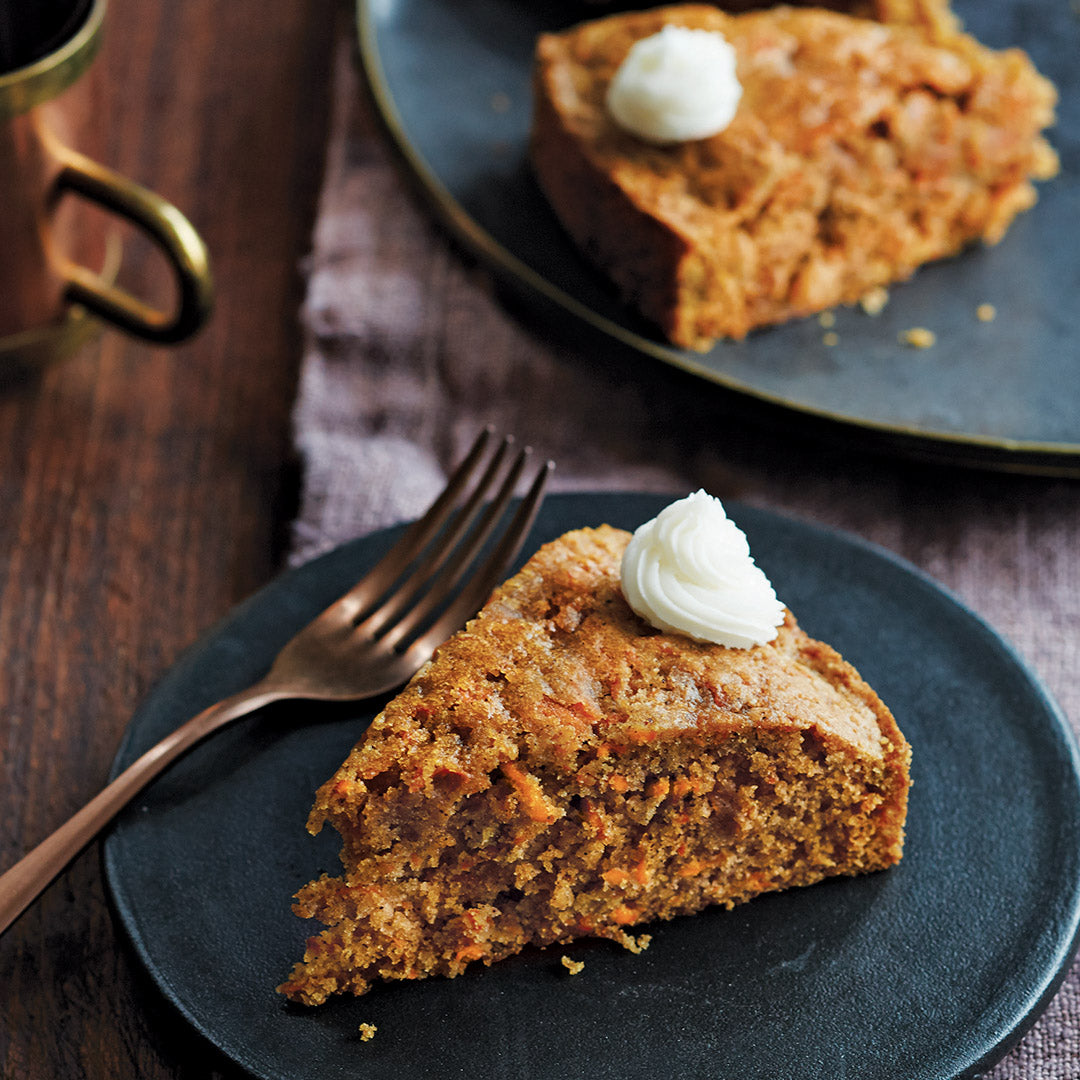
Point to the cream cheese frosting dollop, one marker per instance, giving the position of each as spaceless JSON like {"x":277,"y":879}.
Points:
{"x":689,"y":571}
{"x":677,"y":85}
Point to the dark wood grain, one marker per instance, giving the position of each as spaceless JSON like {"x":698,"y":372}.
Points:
{"x":143,"y":491}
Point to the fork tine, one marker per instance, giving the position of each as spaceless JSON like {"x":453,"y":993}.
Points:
{"x":437,"y":561}
{"x":411,"y":611}
{"x":377,"y":580}
{"x":489,"y":574}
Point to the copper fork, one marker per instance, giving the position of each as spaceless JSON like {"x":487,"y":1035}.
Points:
{"x":368,"y":641}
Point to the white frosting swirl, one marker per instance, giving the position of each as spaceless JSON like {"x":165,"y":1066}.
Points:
{"x":677,"y":85}
{"x":689,"y":571}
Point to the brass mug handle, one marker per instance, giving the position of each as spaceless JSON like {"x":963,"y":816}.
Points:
{"x":167,"y":227}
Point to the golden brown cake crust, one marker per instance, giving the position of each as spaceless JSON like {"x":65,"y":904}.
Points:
{"x":561,"y":768}
{"x":860,"y":150}
{"x":559,"y":663}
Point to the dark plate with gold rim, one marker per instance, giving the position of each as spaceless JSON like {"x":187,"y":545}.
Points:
{"x":928,"y":971}
{"x":451,"y":81}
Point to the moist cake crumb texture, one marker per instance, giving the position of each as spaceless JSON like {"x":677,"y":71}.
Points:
{"x":560,"y":769}
{"x":861,"y":149}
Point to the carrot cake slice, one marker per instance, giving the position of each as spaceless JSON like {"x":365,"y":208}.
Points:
{"x":854,"y":151}
{"x":564,"y":768}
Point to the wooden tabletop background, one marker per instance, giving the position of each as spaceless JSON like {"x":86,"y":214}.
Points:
{"x":143,"y":492}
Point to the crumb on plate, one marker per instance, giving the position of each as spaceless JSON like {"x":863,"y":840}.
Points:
{"x":986,"y":312}
{"x":918,"y":337}
{"x":575,"y":967}
{"x":874,"y":300}
{"x":367,"y":1032}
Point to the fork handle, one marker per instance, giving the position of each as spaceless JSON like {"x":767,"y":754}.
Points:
{"x":34,"y":872}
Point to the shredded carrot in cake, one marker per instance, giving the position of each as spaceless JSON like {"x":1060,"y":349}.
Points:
{"x":506,"y":797}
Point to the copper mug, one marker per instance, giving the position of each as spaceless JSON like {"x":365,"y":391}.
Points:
{"x":56,"y":264}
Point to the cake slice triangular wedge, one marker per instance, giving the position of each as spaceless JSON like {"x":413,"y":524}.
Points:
{"x":562,"y":769}
{"x":859,"y":151}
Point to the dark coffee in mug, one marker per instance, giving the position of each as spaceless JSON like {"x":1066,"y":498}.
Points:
{"x":31,"y":29}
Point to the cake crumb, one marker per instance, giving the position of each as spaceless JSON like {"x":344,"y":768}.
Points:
{"x":575,"y":967}
{"x":367,"y":1032}
{"x":918,"y":337}
{"x":986,"y":312}
{"x":827,"y":319}
{"x":830,"y":339}
{"x":874,"y":300}
{"x":637,"y":944}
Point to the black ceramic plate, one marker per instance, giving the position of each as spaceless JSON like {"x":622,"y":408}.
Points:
{"x":451,"y":78}
{"x":929,"y":970}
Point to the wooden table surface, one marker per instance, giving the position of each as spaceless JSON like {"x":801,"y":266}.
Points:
{"x":143,"y":491}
